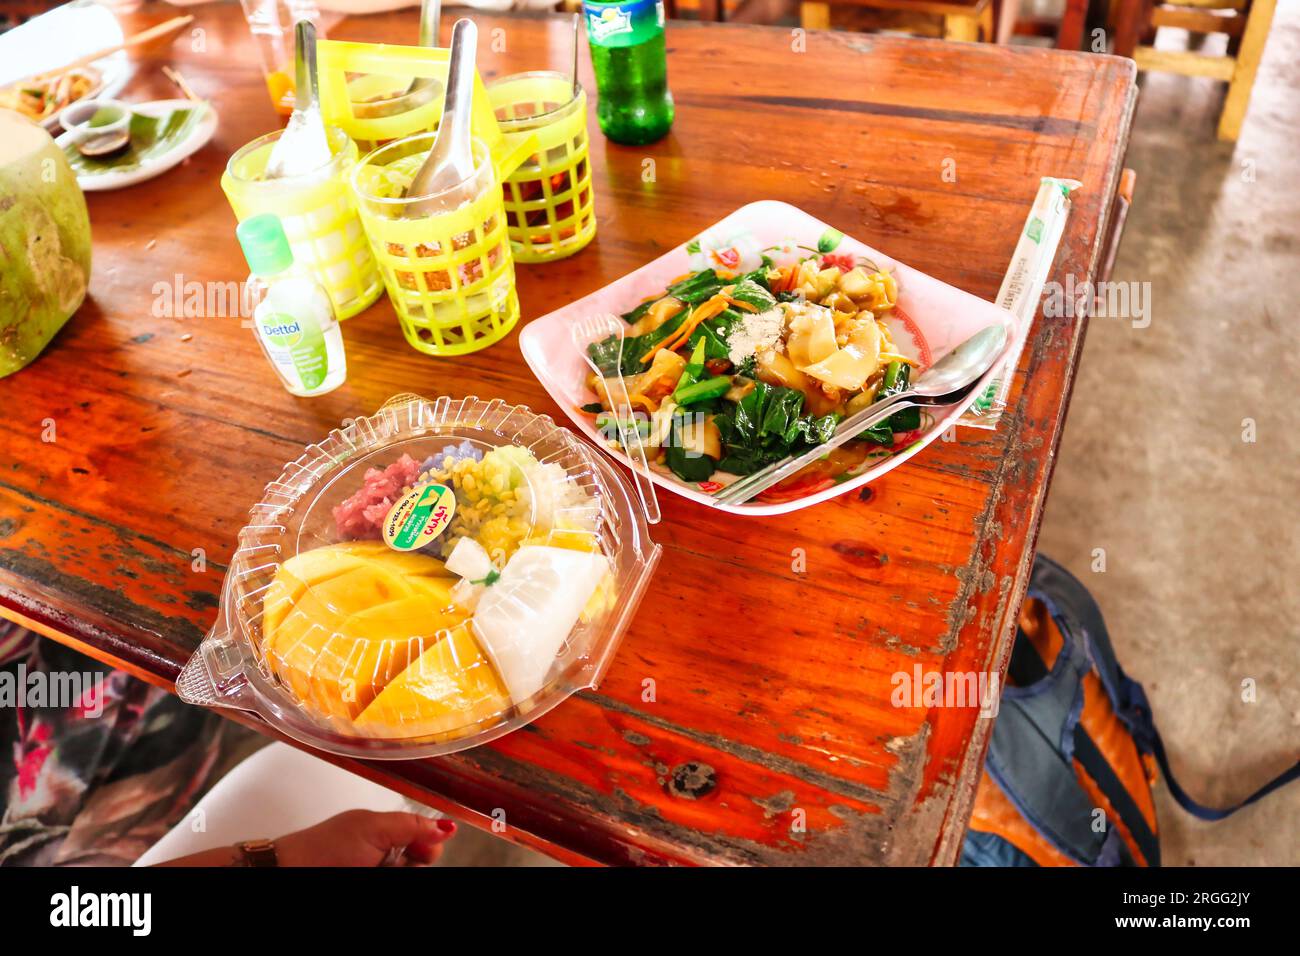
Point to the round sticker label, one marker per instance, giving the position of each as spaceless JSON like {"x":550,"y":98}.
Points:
{"x":418,"y":517}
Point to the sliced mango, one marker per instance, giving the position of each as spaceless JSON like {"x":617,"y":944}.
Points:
{"x":450,"y":687}
{"x":412,"y":563}
{"x":340,"y":622}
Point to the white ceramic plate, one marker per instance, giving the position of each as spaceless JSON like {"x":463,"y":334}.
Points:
{"x":194,"y":140}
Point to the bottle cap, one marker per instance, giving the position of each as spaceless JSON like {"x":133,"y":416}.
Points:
{"x":265,"y":245}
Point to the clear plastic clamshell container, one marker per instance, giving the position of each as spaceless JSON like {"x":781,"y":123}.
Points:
{"x":425,"y":580}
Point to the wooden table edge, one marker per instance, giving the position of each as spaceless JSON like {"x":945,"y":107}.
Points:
{"x":948,"y":849}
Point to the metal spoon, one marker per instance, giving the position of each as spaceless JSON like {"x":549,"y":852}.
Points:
{"x":944,"y":383}
{"x":576,"y":20}
{"x":303,"y":147}
{"x":421,"y":89}
{"x":451,"y":160}
{"x":95,"y":147}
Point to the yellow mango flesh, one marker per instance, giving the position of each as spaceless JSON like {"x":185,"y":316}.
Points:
{"x":341,"y":622}
{"x":450,"y":687}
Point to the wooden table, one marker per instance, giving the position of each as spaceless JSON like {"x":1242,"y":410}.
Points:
{"x":770,"y":737}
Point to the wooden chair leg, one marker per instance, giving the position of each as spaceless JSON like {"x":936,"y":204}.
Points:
{"x":1005,"y":14}
{"x":1073,"y":22}
{"x":962,"y":29}
{"x":986,"y":27}
{"x":815,"y":16}
{"x":1258,"y":20}
{"x":1131,"y":23}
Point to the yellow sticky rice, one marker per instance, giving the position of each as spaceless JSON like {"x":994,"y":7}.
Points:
{"x":509,"y":499}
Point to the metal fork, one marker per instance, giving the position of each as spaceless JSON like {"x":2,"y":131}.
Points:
{"x":597,"y":328}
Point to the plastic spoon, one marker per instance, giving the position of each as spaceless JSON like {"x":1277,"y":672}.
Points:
{"x":302,"y":148}
{"x":946,"y":381}
{"x":451,"y":160}
{"x":597,"y":328}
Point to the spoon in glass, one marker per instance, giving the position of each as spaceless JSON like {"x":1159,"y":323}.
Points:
{"x":451,"y":159}
{"x":303,"y":147}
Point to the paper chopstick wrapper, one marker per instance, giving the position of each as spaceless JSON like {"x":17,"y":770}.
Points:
{"x":1022,"y":289}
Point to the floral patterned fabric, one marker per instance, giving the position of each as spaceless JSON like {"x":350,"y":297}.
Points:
{"x":97,"y":779}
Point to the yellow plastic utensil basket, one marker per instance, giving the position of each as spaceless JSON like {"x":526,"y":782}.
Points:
{"x":347,"y":70}
{"x":319,"y":217}
{"x":449,"y":272}
{"x":550,"y":210}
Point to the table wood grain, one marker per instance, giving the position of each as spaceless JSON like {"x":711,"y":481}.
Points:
{"x":747,"y":717}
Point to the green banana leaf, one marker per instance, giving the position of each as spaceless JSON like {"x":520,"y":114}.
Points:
{"x":151,"y":137}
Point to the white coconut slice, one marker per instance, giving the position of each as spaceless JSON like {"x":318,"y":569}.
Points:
{"x":523,"y":619}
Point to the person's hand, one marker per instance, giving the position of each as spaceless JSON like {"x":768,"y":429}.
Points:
{"x":366,"y":838}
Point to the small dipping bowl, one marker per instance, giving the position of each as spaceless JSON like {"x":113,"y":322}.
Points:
{"x":80,"y":120}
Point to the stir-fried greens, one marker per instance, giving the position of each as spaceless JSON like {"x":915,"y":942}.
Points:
{"x":729,"y":373}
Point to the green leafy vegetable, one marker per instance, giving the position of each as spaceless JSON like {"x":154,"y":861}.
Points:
{"x":151,"y":136}
{"x":605,"y":352}
{"x":713,"y":333}
{"x":684,"y":462}
{"x":687,"y":465}
{"x":766,"y":425}
{"x":898,"y":376}
{"x":703,"y":391}
{"x":750,"y":292}
{"x":692,"y":290}
{"x":694,"y":370}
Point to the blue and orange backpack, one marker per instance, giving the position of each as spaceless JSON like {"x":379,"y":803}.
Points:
{"x":1074,"y":752}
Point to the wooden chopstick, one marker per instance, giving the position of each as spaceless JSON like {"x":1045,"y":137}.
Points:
{"x":181,"y":84}
{"x":162,"y":29}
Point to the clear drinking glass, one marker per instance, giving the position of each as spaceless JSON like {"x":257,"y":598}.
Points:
{"x":550,"y":209}
{"x":445,"y":257}
{"x":271,"y":23}
{"x":318,"y":214}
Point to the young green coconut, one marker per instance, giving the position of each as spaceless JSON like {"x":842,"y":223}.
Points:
{"x":44,"y":241}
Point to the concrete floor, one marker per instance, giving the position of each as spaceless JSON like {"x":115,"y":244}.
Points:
{"x":1198,"y":526}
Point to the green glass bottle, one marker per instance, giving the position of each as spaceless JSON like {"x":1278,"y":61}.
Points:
{"x":631,"y":65}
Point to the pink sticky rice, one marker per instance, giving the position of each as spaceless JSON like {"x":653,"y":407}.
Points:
{"x":361,"y":516}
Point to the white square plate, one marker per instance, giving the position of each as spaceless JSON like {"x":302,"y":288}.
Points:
{"x":930,"y":319}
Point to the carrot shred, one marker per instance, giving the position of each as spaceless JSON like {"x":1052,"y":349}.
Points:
{"x":704,"y":311}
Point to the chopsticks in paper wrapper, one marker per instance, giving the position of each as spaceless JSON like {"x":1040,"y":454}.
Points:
{"x":1022,"y":289}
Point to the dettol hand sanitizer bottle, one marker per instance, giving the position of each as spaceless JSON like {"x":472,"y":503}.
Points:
{"x":292,"y":314}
